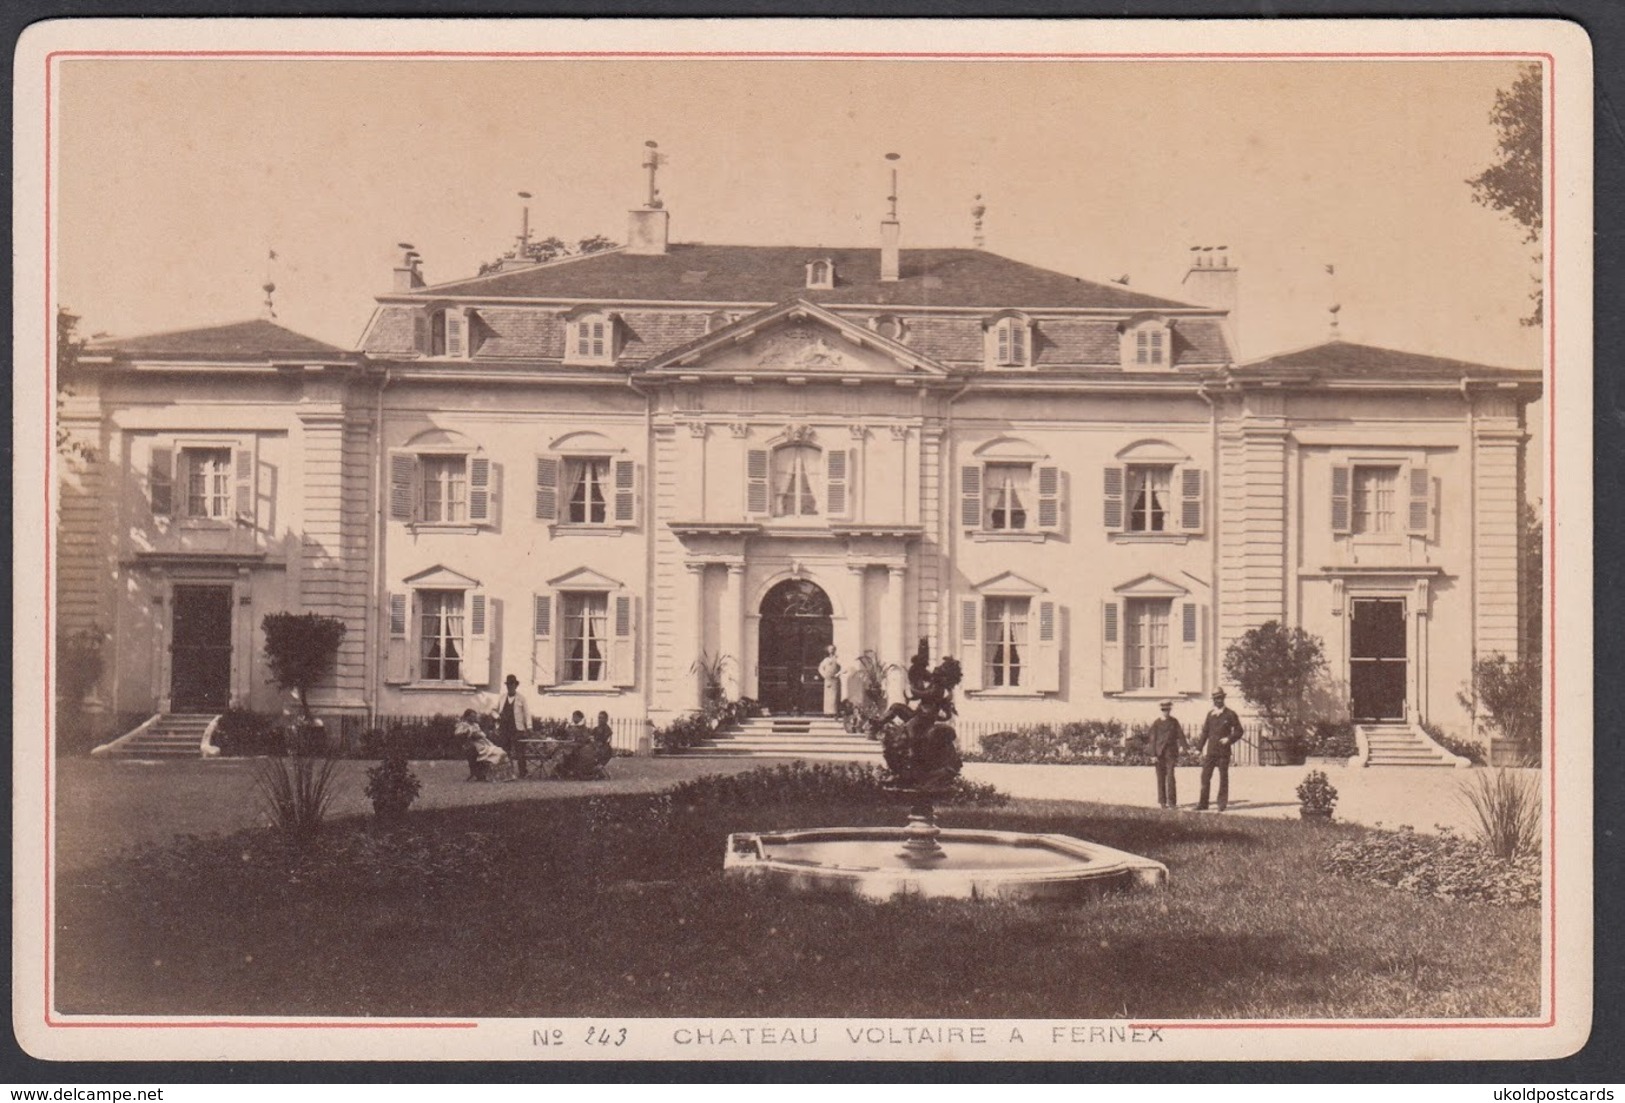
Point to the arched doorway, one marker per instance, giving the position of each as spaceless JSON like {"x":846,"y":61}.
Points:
{"x":796,"y":629}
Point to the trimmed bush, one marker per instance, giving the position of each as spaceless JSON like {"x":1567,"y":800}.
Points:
{"x":1074,"y":743}
{"x":1333,"y":739}
{"x":824,"y":784}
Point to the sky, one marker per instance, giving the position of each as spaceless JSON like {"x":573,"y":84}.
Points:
{"x":176,"y":178}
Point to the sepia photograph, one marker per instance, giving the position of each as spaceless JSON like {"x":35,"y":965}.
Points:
{"x":772,"y":541}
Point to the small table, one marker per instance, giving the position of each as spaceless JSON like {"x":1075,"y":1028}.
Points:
{"x":546,"y":753}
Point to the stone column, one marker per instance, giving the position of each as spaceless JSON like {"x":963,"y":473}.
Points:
{"x":893,"y":648}
{"x":692,"y":644}
{"x":731,"y":630}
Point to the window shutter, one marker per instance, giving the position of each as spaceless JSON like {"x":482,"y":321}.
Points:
{"x":243,"y":485}
{"x":1113,"y":490}
{"x":1047,"y":653}
{"x":1004,"y":331}
{"x":455,"y":345}
{"x":544,"y":671}
{"x":161,"y":481}
{"x":1188,"y":658}
{"x":1049,"y":498}
{"x":1340,"y":499}
{"x":1190,"y":499}
{"x":420,"y":333}
{"x":970,"y":496}
{"x":1018,"y":344}
{"x":837,"y":460}
{"x":1111,"y":646}
{"x":547,"y":488}
{"x":479,"y":489}
{"x":623,"y":647}
{"x":402,"y":473}
{"x":756,"y":481}
{"x":398,"y":660}
{"x":477,"y":643}
{"x":626,"y":492}
{"x":970,"y":646}
{"x":1419,"y":518}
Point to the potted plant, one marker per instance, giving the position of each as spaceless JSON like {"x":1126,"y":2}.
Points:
{"x":1316,"y":796}
{"x":392,"y":787}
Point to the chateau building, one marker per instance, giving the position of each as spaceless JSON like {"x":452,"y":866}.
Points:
{"x":605,"y":472}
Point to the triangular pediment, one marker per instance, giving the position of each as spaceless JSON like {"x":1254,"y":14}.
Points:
{"x":1150,"y":585}
{"x":442,"y":578}
{"x":1009,"y":584}
{"x":584,"y":578}
{"x":794,"y":338}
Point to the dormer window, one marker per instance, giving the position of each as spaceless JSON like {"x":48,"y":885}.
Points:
{"x":1148,"y":343}
{"x":820,"y":274}
{"x":442,"y":332}
{"x":1010,"y":341}
{"x":591,"y":339}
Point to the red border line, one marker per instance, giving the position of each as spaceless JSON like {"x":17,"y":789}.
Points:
{"x":1548,"y":304}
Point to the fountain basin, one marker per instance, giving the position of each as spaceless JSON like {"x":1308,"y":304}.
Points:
{"x":869,"y":862}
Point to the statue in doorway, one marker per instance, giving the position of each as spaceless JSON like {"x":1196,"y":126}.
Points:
{"x":830,"y":671}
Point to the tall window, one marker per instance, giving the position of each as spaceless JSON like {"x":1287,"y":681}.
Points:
{"x":793,"y":468}
{"x":586,"y":637}
{"x":1148,"y":347}
{"x":587,"y":481}
{"x":1145,"y":643}
{"x":1148,"y":496}
{"x":208,"y":482}
{"x":1374,"y":489}
{"x":1007,"y":487}
{"x":1005,"y":641}
{"x":445,"y":488}
{"x":441,"y":635}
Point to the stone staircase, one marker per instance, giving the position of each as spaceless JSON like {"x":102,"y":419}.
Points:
{"x":167,"y":735}
{"x":809,"y":737}
{"x":1401,"y":744}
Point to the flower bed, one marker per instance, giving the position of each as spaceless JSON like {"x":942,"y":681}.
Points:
{"x":1446,"y":866}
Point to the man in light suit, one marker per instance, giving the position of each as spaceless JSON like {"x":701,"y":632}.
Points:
{"x":513,"y":723}
{"x":1220,"y":731}
{"x":1166,"y":740}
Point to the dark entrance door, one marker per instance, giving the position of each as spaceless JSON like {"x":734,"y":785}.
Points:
{"x":1377,"y":661}
{"x":200,"y":648}
{"x":796,"y":631}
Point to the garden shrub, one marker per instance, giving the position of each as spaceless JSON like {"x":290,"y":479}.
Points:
{"x":414,"y":737}
{"x":296,"y":790}
{"x":814,"y":783}
{"x":1506,"y":808}
{"x":1473,"y":752}
{"x":687,"y":730}
{"x":1333,"y":739}
{"x":1506,"y":693}
{"x":242,"y":733}
{"x":1446,"y":866}
{"x":1075,"y":743}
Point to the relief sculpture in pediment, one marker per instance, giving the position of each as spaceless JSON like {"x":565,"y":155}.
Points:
{"x":800,"y":348}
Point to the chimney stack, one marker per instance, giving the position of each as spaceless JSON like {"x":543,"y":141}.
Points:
{"x":891,"y":232}
{"x":1212,"y":282}
{"x":648,"y":227}
{"x":409,"y":271}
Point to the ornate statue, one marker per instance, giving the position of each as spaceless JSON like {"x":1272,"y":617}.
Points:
{"x":919,"y":742}
{"x":830,"y":671}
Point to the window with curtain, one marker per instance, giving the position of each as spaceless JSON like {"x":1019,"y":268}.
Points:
{"x":1145,"y":643}
{"x":441,"y":635}
{"x":587,"y":482}
{"x":586,"y":637}
{"x":1005,"y":640}
{"x":1374,"y":489}
{"x":1148,"y":496}
{"x":1007,"y":486}
{"x":445,"y":488}
{"x":208,"y":482}
{"x":794,"y":466}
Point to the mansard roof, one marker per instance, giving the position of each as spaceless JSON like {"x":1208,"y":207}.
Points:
{"x":1347,"y":360}
{"x":254,"y":340}
{"x":806,"y":357}
{"x":773,"y":273}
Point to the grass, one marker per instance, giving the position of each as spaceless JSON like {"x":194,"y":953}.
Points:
{"x":616,"y":906}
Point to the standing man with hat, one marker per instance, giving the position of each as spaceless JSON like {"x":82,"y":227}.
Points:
{"x":1167,"y":738}
{"x":1220,"y":731}
{"x":513,"y":719}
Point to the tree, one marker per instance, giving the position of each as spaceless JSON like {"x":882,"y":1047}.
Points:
{"x":1513,"y":184}
{"x":68,"y":347}
{"x":301,"y":649}
{"x":1276,"y":668}
{"x":549,"y":248}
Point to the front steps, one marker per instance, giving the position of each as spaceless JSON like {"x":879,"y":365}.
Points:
{"x":167,"y":735}
{"x":1401,"y":744}
{"x":820,"y":738}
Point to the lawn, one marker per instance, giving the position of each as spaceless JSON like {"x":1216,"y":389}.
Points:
{"x":616,"y":905}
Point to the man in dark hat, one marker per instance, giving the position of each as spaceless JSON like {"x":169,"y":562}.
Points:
{"x":1220,"y":731}
{"x":1167,"y":737}
{"x":513,"y":721}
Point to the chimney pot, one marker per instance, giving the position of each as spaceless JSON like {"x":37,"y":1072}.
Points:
{"x":1213,"y":283}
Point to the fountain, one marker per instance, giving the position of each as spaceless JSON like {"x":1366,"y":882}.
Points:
{"x":923,"y":859}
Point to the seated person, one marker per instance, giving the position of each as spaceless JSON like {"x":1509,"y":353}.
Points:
{"x":486,"y":760}
{"x":602,"y":735}
{"x":577,"y":760}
